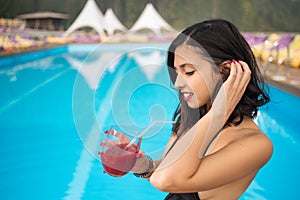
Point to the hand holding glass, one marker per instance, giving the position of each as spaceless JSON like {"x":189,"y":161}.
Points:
{"x":119,"y":151}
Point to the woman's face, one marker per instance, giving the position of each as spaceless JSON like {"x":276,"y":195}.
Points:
{"x":195,"y":77}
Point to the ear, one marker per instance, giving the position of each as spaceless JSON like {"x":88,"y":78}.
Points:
{"x":224,"y":69}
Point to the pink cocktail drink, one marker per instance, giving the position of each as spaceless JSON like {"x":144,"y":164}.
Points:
{"x":118,"y":159}
{"x":119,"y":153}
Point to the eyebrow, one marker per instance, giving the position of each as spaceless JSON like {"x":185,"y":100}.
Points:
{"x":183,"y":65}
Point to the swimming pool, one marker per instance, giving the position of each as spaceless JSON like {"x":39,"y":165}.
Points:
{"x":53,"y":107}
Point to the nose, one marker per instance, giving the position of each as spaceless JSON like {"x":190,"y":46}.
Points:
{"x":179,"y":82}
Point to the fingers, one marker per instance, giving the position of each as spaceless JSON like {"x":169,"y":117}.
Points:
{"x":140,"y":154}
{"x":239,"y":76}
{"x":233,"y":72}
{"x":246,"y":74}
{"x":120,"y":136}
{"x":236,"y":84}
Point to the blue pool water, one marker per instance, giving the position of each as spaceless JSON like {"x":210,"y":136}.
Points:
{"x":55,"y":103}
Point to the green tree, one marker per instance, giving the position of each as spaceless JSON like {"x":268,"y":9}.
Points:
{"x":254,"y":15}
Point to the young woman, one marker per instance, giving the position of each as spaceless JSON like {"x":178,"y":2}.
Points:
{"x":216,"y":149}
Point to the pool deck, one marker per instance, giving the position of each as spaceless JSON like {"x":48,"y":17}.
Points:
{"x":287,"y":79}
{"x":27,"y":50}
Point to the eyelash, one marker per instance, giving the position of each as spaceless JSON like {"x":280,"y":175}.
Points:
{"x":190,"y":73}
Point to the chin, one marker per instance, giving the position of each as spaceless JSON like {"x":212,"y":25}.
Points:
{"x":195,"y":105}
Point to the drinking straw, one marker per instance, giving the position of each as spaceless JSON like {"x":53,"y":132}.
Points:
{"x":146,"y":129}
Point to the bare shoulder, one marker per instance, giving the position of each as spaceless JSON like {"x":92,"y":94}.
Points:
{"x":257,"y":142}
{"x":246,"y":139}
{"x":255,"y":148}
{"x":250,"y":134}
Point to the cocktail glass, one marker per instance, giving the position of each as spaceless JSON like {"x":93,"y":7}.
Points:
{"x":120,"y":150}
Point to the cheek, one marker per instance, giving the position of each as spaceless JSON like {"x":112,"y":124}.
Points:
{"x":210,"y":78}
{"x":200,"y":89}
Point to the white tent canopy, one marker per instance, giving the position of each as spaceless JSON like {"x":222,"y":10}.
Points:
{"x":90,"y":16}
{"x":150,"y":64}
{"x":112,"y":23}
{"x":151,"y":19}
{"x":92,"y":71}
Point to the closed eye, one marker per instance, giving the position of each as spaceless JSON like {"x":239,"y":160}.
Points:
{"x":190,"y":73}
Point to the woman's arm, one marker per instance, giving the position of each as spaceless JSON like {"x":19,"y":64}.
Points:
{"x":190,"y":173}
{"x":183,"y":161}
{"x":184,"y":169}
{"x":143,"y":162}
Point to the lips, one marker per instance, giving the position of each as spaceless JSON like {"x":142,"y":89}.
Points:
{"x":187,"y":95}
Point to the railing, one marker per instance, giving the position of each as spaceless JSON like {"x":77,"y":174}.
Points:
{"x":275,"y":51}
{"x":281,"y":44}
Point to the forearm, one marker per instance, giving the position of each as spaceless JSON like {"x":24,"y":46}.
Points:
{"x":144,"y":163}
{"x":183,"y":161}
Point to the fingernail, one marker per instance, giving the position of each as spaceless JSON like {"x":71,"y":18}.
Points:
{"x":234,"y":61}
{"x":139,"y":155}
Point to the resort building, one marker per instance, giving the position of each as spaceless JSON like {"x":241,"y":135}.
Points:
{"x":45,"y":20}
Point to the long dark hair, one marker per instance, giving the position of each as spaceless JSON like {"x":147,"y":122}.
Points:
{"x":222,"y":41}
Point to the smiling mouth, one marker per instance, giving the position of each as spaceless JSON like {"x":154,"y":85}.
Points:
{"x":187,"y":96}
